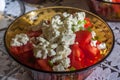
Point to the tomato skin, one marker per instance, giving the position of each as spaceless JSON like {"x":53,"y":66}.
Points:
{"x":83,"y":37}
{"x":34,"y":33}
{"x":43,"y":64}
{"x":87,"y":23}
{"x":21,"y":49}
{"x":27,"y":58}
{"x":91,"y":51}
{"x":77,"y":56}
{"x":14,"y":50}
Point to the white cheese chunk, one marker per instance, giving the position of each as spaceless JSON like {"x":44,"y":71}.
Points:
{"x":80,"y":15}
{"x":65,"y":14}
{"x":93,"y":43}
{"x":63,"y":50}
{"x":56,"y":58}
{"x":67,"y":39}
{"x":19,"y":40}
{"x":66,"y":62}
{"x":51,"y":53}
{"x":101,"y":46}
{"x":59,"y":67}
{"x":93,"y":34}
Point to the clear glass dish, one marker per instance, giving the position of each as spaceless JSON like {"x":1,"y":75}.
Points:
{"x":110,"y":11}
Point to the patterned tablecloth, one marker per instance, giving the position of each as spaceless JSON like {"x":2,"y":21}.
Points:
{"x":10,"y":70}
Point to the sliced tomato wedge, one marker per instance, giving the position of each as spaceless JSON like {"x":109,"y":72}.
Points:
{"x":27,"y":58}
{"x":91,"y":51}
{"x":83,"y":37}
{"x":43,"y":64}
{"x":14,"y":50}
{"x":88,"y":62}
{"x":34,"y":33}
{"x":76,"y":56}
{"x":21,"y":49}
{"x":87,"y":23}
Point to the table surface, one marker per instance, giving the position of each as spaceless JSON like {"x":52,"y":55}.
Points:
{"x":10,"y":70}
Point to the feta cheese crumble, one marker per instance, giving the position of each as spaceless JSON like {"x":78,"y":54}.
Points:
{"x":94,"y":42}
{"x":102,"y":46}
{"x":19,"y":40}
{"x":57,"y":37}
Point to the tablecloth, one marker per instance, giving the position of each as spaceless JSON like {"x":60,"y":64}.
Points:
{"x":10,"y":70}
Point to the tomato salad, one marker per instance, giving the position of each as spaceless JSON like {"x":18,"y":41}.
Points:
{"x":64,"y":43}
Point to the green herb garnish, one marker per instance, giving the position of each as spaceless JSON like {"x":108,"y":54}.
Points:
{"x":50,"y":63}
{"x":89,"y":29}
{"x":72,"y":69}
{"x":95,"y":38}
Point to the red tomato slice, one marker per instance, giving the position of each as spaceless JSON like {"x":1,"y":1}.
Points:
{"x":27,"y":47}
{"x":43,"y":64}
{"x":34,"y":33}
{"x":27,"y":58}
{"x":76,"y":56}
{"x":14,"y":50}
{"x":21,"y":49}
{"x":87,"y":23}
{"x":83,"y":37}
{"x":88,"y":62}
{"x":91,"y":51}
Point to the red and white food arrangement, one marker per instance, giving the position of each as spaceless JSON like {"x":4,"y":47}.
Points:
{"x":64,"y":43}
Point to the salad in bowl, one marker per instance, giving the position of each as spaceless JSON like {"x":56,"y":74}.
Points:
{"x":59,"y":41}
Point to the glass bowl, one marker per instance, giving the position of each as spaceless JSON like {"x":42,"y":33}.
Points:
{"x":110,"y":11}
{"x":25,"y":22}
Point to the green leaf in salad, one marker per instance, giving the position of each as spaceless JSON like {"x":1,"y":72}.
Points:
{"x":73,"y":28}
{"x":81,"y":22}
{"x":89,"y":29}
{"x":95,"y":38}
{"x":50,"y":63}
{"x":81,"y":28}
{"x":72,"y":69}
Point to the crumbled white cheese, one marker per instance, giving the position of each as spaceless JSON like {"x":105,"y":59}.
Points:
{"x":63,"y":65}
{"x":80,"y":15}
{"x":93,"y":43}
{"x":53,"y":46}
{"x":63,"y":50}
{"x":57,"y":37}
{"x":51,"y":52}
{"x":50,"y":33}
{"x":57,"y":21}
{"x":65,"y":14}
{"x":56,"y":58}
{"x":66,"y":62}
{"x":59,"y":67}
{"x":93,"y":34}
{"x":67,"y":39}
{"x":40,"y":53}
{"x":19,"y":40}
{"x":101,"y":46}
